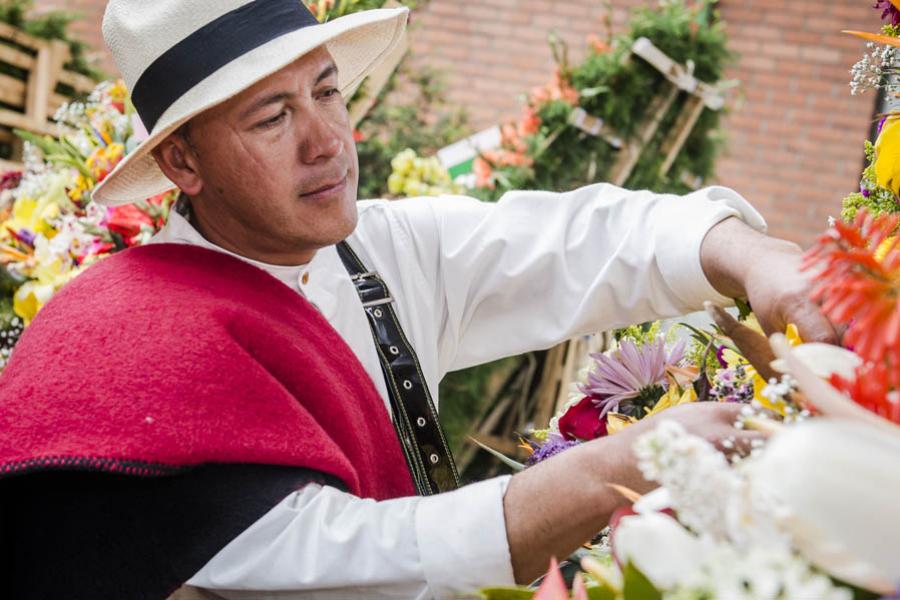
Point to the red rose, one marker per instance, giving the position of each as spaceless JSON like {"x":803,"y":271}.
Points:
{"x":582,"y":421}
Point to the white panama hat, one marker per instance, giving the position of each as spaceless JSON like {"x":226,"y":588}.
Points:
{"x":182,"y":57}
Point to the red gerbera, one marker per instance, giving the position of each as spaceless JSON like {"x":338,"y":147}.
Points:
{"x":859,"y":286}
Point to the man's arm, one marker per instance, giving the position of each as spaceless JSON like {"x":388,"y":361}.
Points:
{"x":556,"y":506}
{"x":328,"y":543}
{"x":538,"y":268}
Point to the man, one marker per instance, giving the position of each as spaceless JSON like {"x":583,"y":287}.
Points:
{"x":245,"y":104}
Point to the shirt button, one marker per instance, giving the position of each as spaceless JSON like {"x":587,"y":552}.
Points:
{"x":305,"y":279}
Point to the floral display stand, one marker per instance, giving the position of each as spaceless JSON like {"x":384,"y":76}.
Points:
{"x":34,"y":84}
{"x":534,"y":392}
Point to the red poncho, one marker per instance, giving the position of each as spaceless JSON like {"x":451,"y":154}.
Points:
{"x":170,"y":356}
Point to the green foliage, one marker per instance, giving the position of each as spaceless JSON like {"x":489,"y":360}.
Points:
{"x":879,"y":201}
{"x":637,"y":586}
{"x":53,"y":25}
{"x":464,"y":396}
{"x":618,"y":91}
{"x":422,"y":122}
{"x":640,"y":334}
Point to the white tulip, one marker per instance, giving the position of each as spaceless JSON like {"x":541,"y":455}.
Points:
{"x":660,"y":548}
{"x":838,"y":481}
{"x":824,"y":360}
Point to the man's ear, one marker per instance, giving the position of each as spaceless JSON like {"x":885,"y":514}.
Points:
{"x":178,"y":160}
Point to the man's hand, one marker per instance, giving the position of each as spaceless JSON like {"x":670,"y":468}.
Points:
{"x":743,"y":263}
{"x":555,"y":506}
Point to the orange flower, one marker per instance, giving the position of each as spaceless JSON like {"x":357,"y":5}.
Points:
{"x":511,"y":138}
{"x":598,"y":45}
{"x":871,"y":389}
{"x":530,"y":123}
{"x":483,"y":173}
{"x":859,"y":286}
{"x":559,"y":88}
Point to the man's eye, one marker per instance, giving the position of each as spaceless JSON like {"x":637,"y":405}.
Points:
{"x":274,"y":121}
{"x":330,"y":93}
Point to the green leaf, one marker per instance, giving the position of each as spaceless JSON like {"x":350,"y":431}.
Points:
{"x":637,"y":586}
{"x":699,"y":335}
{"x":601,"y":593}
{"x":512,"y":464}
{"x":744,"y":309}
{"x":506,"y":594}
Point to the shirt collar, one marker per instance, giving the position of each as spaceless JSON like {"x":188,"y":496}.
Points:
{"x":180,"y":231}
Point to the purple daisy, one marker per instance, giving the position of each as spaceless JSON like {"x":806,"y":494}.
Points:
{"x":630,"y":376}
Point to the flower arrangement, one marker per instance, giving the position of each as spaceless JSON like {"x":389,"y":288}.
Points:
{"x":50,"y":230}
{"x":778,"y":522}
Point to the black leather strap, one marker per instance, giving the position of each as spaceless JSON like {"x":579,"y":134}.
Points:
{"x":415,"y":418}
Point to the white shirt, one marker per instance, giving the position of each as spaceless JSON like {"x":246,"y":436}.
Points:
{"x":473,"y":282}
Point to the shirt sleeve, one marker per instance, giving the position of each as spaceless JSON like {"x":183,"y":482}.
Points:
{"x":325,"y":544}
{"x":537,"y":268}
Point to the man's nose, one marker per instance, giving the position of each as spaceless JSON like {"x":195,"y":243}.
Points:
{"x":320,"y":139}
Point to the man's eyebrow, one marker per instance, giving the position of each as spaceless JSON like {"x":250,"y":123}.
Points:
{"x":330,"y":70}
{"x":326,"y":73}
{"x":268,"y":100}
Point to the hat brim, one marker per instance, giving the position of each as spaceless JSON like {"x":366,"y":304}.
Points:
{"x":357,"y":42}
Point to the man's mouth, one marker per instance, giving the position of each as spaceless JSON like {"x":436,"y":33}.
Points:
{"x":327,"y":190}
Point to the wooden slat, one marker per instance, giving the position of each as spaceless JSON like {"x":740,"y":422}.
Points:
{"x":21,"y":38}
{"x":16,"y":57}
{"x":631,"y":153}
{"x":80,"y":83}
{"x":56,"y":100}
{"x":684,"y":125}
{"x":20,"y":121}
{"x":6,"y":165}
{"x":42,"y":80}
{"x":12,"y":90}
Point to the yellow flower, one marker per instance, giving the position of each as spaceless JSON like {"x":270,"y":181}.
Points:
{"x":616,"y":422}
{"x":30,"y":298}
{"x":33,"y":215}
{"x":759,"y":384}
{"x":887,"y":156}
{"x":103,"y":160}
{"x":673,"y":397}
{"x":884,"y":247}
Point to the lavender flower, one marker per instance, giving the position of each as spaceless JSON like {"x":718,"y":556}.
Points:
{"x":555,"y":444}
{"x":732,"y":385}
{"x":631,"y":377}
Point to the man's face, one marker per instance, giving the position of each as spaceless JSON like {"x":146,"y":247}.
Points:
{"x":277,"y":166}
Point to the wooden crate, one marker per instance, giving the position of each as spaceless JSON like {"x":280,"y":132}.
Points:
{"x":34,"y":83}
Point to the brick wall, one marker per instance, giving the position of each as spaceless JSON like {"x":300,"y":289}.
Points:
{"x":795,"y":133}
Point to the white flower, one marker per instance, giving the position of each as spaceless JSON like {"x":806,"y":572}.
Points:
{"x":660,"y":548}
{"x":838,"y":482}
